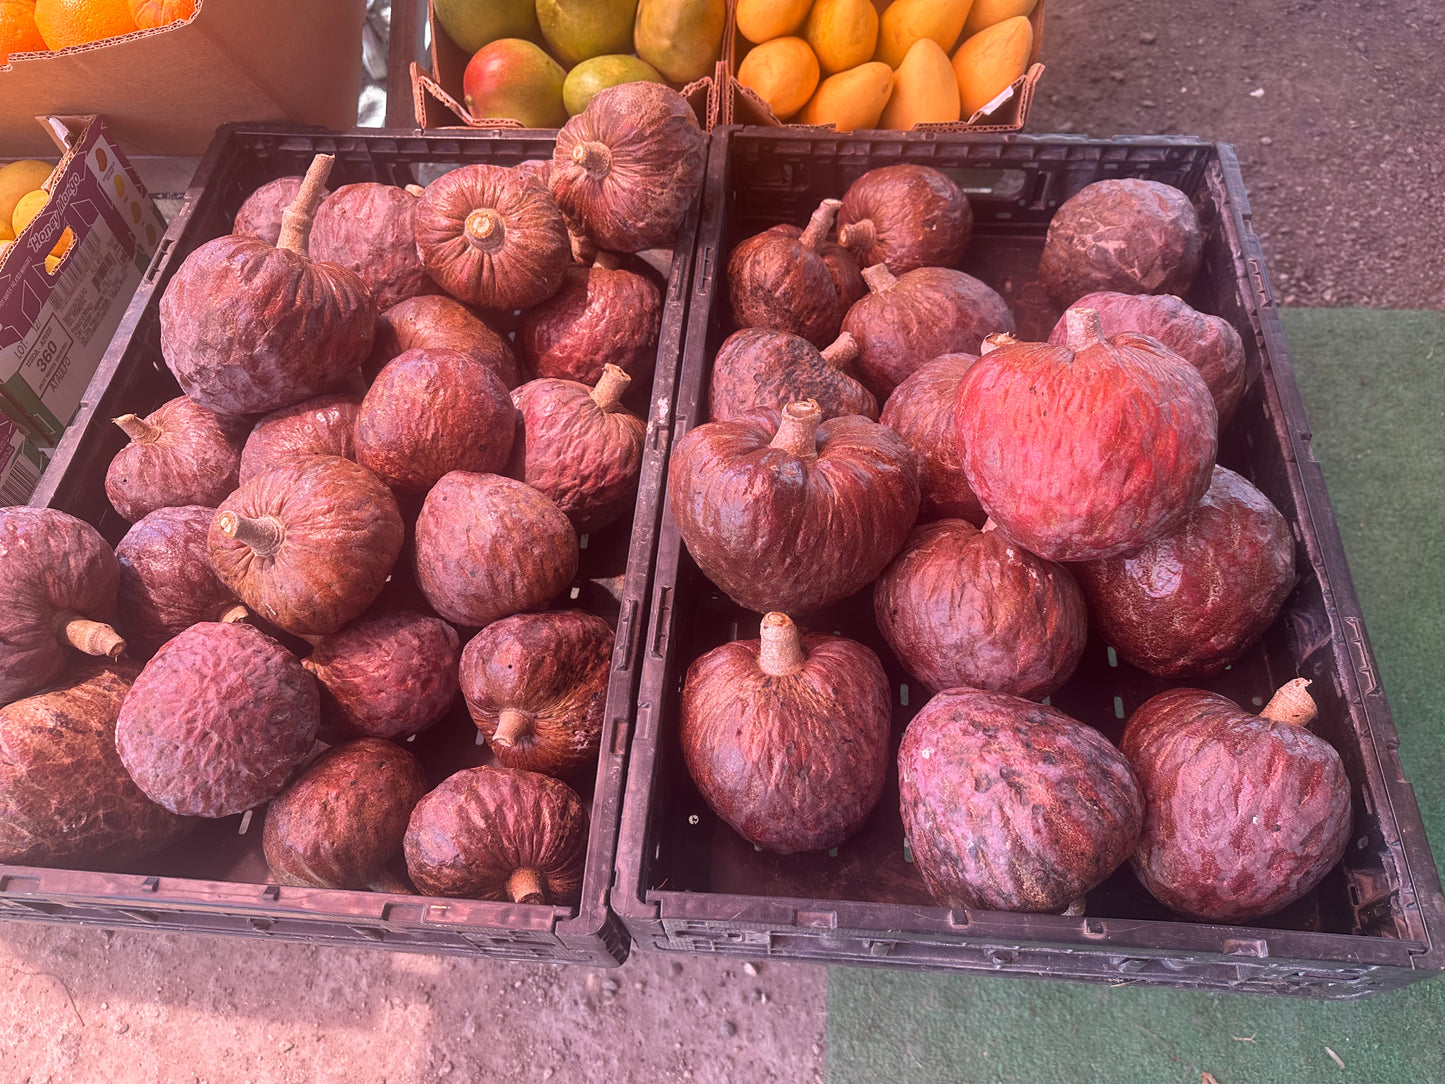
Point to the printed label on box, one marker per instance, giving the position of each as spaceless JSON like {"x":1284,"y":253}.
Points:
{"x":21,"y":464}
{"x":55,"y":326}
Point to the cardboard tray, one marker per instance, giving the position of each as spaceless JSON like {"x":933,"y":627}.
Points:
{"x":687,"y":883}
{"x":438,"y":101}
{"x":217,"y":880}
{"x":165,"y":91}
{"x":1008,"y":112}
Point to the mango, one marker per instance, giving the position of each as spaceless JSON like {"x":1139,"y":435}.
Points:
{"x":987,"y":12}
{"x":925,"y":90}
{"x":851,"y":99}
{"x":26,"y":208}
{"x":906,"y":21}
{"x":514,"y":78}
{"x":577,"y":30}
{"x":682,"y":39}
{"x":843,"y":33}
{"x":989,"y":61}
{"x":763,"y":20}
{"x":597,"y":74}
{"x":473,"y":23}
{"x":18,"y":178}
{"x":784,"y":73}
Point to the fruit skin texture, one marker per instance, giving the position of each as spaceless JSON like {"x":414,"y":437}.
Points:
{"x":340,"y":534}
{"x":547,"y":673}
{"x":1245,"y":815}
{"x":905,"y":21}
{"x":779,"y":530}
{"x":191,"y":456}
{"x":982,"y":13}
{"x":987,"y":63}
{"x":166,"y":580}
{"x":781,"y":282}
{"x":763,"y":20}
{"x":1191,"y":600}
{"x":628,"y":166}
{"x":64,"y":794}
{"x":1121,"y":234}
{"x":1009,"y":805}
{"x":248,"y":328}
{"x":488,"y":546}
{"x":597,"y":74}
{"x":841,"y":265}
{"x":341,"y":821}
{"x":576,"y":30}
{"x":782,"y":72}
{"x":599,"y":315}
{"x":217,"y":721}
{"x":905,"y":216}
{"x":368,"y":228}
{"x":680,"y":38}
{"x":925,"y":90}
{"x":50,"y":564}
{"x":492,"y":236}
{"x":18,"y":34}
{"x":388,"y":674}
{"x":851,"y":99}
{"x":921,"y":411}
{"x":153,"y":13}
{"x":905,"y":322}
{"x":513,"y":78}
{"x":471,"y":24}
{"x":577,"y":446}
{"x":794,"y":757}
{"x":433,"y":320}
{"x":842,"y":33}
{"x":1209,"y":343}
{"x":321,"y":426}
{"x":1086,"y":453}
{"x":260,"y":215}
{"x":63,"y":23}
{"x":760,"y":369}
{"x":960,"y":606}
{"x":499,"y":834}
{"x":431,"y":411}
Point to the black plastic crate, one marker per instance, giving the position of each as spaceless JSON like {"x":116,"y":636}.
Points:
{"x":687,"y":883}
{"x":217,"y":880}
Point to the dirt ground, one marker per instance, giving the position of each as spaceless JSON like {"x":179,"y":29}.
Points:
{"x":1340,"y":128}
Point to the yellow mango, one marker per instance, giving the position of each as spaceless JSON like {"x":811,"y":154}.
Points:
{"x":26,"y":208}
{"x":987,"y":12}
{"x":925,"y":90}
{"x":784,"y":73}
{"x":843,"y":33}
{"x":906,"y":21}
{"x":990,"y":60}
{"x":851,"y":99}
{"x":763,"y":20}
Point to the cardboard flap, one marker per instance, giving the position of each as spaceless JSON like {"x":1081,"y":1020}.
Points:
{"x":165,"y":91}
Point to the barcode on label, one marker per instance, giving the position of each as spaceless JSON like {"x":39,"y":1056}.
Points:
{"x":20,"y":482}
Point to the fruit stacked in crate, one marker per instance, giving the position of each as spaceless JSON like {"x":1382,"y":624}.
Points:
{"x":406,"y":412}
{"x":875,"y":426}
{"x":856,"y":64}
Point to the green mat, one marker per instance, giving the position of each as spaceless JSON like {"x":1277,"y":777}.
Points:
{"x":1373,"y":387}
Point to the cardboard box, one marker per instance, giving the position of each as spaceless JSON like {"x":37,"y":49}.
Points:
{"x":1006,"y":113}
{"x":166,"y":91}
{"x":22,"y":462}
{"x":437,"y":95}
{"x":55,"y":326}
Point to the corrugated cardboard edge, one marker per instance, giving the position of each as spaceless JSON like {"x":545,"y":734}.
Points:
{"x":166,"y":90}
{"x":741,"y":105}
{"x":438,"y":107}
